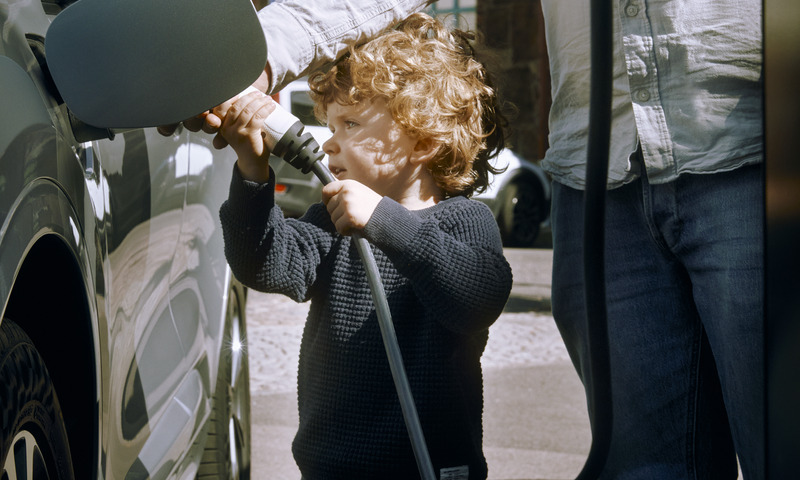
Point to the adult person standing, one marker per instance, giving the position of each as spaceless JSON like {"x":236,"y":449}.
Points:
{"x":684,"y":230}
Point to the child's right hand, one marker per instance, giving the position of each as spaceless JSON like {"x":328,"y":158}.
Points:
{"x":350,"y":204}
{"x":242,"y":128}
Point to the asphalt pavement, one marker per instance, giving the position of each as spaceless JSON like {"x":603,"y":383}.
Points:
{"x":535,"y":421}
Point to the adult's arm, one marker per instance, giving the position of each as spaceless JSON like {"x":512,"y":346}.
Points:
{"x":304,"y":35}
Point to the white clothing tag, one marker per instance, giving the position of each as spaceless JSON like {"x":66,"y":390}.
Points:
{"x":454,"y":473}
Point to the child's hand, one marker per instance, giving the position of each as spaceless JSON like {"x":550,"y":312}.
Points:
{"x":350,"y":204}
{"x":242,"y":128}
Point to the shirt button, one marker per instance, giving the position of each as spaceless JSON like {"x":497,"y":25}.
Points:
{"x":642,"y":95}
{"x":631,"y":10}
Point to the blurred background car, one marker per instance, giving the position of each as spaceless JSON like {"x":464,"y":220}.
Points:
{"x":519,"y":197}
{"x":122,"y":332}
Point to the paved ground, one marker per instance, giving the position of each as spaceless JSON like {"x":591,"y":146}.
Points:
{"x":535,"y":419}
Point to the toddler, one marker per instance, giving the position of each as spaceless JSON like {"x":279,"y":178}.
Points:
{"x":414,"y":122}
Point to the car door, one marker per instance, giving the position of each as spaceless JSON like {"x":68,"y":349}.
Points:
{"x":149,"y":368}
{"x":165,"y":307}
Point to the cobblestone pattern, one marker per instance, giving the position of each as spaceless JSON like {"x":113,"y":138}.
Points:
{"x":275,"y":325}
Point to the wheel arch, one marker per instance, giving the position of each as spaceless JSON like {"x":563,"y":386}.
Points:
{"x":48,"y":291}
{"x":535,"y":175}
{"x":48,"y":300}
{"x":531,"y":177}
{"x":520,"y":223}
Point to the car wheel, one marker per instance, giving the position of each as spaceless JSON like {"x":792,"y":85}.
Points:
{"x":33,"y":443}
{"x":521,"y":213}
{"x":227,"y":452}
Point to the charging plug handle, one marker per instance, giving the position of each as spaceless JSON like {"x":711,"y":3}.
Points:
{"x":299,"y":148}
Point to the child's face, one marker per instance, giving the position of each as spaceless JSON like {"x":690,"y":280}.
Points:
{"x":369,"y":146}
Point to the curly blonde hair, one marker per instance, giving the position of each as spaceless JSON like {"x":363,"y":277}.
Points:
{"x":434,"y":88}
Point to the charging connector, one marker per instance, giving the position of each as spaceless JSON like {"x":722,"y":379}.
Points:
{"x":298,"y":148}
{"x":285,"y":136}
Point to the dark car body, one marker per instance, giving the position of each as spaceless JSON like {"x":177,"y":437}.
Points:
{"x":114,"y":284}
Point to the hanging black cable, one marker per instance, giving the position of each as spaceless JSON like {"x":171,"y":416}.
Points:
{"x":599,"y":396}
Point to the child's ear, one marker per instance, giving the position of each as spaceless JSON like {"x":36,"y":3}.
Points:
{"x":424,"y":150}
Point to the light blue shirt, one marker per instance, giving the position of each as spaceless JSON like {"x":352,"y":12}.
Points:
{"x":304,"y":35}
{"x":687,"y":85}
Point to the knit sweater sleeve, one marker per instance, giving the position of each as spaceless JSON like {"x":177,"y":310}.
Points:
{"x":266,"y":251}
{"x":454,"y":259}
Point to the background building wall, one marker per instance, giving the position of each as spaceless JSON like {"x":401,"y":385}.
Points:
{"x":513,"y":31}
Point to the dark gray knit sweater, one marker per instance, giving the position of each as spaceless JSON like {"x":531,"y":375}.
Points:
{"x":446,"y":282}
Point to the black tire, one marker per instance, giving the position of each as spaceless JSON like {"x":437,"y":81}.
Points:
{"x":33,"y":443}
{"x":521,"y":213}
{"x":227,"y":451}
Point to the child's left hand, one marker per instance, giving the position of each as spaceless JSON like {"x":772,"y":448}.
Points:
{"x":350,"y":204}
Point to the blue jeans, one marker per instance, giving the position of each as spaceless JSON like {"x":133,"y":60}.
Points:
{"x":684,"y":287}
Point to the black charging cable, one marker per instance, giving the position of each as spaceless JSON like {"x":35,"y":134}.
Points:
{"x":600,"y":393}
